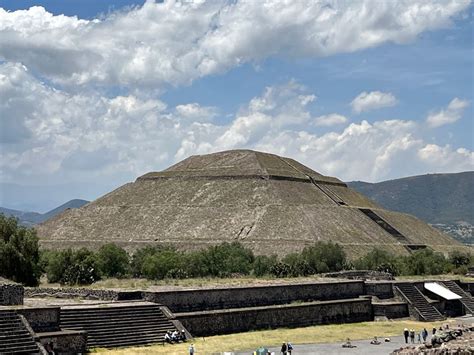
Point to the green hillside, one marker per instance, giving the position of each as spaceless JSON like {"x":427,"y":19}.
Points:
{"x":444,"y":200}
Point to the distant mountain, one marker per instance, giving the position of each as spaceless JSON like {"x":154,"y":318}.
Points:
{"x":32,"y":218}
{"x":444,"y":200}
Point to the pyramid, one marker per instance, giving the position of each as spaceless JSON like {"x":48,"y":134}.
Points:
{"x":271,"y":204}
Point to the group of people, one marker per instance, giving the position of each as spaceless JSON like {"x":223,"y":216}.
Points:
{"x":286,"y":348}
{"x":412,"y":336}
{"x":175,"y":336}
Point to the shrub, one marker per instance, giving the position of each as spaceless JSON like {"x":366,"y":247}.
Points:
{"x":298,"y":265}
{"x":262,"y":264}
{"x":139,"y":256}
{"x":324,"y":257}
{"x":69,"y":267}
{"x":424,"y":262}
{"x":112,"y":261}
{"x":280,"y":269}
{"x":458,"y":259}
{"x":228,"y":258}
{"x":156,"y":266}
{"x":378,"y":260}
{"x":19,"y":255}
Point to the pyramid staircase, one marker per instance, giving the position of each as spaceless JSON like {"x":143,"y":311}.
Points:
{"x":385,"y":225}
{"x":15,"y":338}
{"x":467,"y":300}
{"x":417,"y":301}
{"x":111,"y":326}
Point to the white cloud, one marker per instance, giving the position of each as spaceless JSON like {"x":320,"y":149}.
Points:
{"x":330,"y":120}
{"x":367,"y":101}
{"x":56,"y":136}
{"x":196,"y":112}
{"x":176,"y":42}
{"x":449,"y":115}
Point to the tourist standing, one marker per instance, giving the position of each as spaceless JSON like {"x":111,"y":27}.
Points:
{"x":405,"y":334}
{"x":289,"y":348}
{"x":434,"y":330}
{"x":424,"y":334}
{"x":283,"y":348}
{"x":412,"y":336}
{"x":191,"y":349}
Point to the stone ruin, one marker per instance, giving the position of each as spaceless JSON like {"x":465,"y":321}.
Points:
{"x":272,"y":204}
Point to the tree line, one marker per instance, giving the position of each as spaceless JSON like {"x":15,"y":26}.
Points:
{"x":22,"y":261}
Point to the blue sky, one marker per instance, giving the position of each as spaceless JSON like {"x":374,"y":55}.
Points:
{"x":96,"y":93}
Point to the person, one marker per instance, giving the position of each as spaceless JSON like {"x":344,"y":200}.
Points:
{"x":174,"y":335}
{"x":168,"y":337}
{"x":419,"y":337}
{"x":183,"y":335}
{"x":412,"y":336}
{"x":289,"y":348}
{"x":191,"y":349}
{"x":348,"y":344}
{"x":283,"y":348}
{"x":405,"y":334}
{"x":375,"y":341}
{"x":434,"y":330}
{"x":424,"y":334}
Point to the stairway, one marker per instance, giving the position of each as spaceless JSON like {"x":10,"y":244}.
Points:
{"x":416,"y":299}
{"x":385,"y":225}
{"x":110,"y":326}
{"x":14,"y":336}
{"x":467,"y":300}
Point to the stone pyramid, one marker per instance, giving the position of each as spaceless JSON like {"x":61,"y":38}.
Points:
{"x":272,"y":204}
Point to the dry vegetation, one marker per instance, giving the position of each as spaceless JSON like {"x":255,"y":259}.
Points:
{"x":252,"y":340}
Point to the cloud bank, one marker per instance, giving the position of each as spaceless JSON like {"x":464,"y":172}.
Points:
{"x":173,"y":42}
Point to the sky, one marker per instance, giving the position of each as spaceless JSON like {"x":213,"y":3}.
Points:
{"x":94,"y":94}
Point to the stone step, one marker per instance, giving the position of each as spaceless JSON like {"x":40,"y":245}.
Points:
{"x":103,"y":332}
{"x":110,"y":309}
{"x":118,"y":326}
{"x":105,"y":323}
{"x":124,"y":343}
{"x":31,"y":349}
{"x":101,"y":316}
{"x":110,"y":329}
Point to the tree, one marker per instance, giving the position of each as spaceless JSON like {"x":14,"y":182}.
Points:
{"x":73,"y":267}
{"x":112,"y":261}
{"x":324,"y":257}
{"x":19,"y":255}
{"x":424,"y":262}
{"x":459,"y":259}
{"x":378,"y":260}
{"x":263,"y":264}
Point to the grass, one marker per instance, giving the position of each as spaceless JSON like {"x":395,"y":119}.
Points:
{"x":136,"y":283}
{"x":316,"y":334}
{"x":143,"y":284}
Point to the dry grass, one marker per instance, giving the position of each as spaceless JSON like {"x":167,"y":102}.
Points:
{"x":144,"y":284}
{"x":252,"y":340}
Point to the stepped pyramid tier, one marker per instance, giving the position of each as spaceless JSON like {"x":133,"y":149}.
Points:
{"x":272,"y":204}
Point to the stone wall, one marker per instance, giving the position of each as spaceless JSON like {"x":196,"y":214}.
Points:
{"x":65,"y":342}
{"x":206,"y":323}
{"x":391,"y":310}
{"x":382,"y":290}
{"x":239,"y":297}
{"x":361,"y":275}
{"x":86,"y":293}
{"x":41,"y":319}
{"x":11,"y":294}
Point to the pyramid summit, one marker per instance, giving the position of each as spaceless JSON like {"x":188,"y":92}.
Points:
{"x":269,"y":203}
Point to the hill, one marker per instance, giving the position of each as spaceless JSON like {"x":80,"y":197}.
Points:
{"x":444,"y":200}
{"x":32,"y":218}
